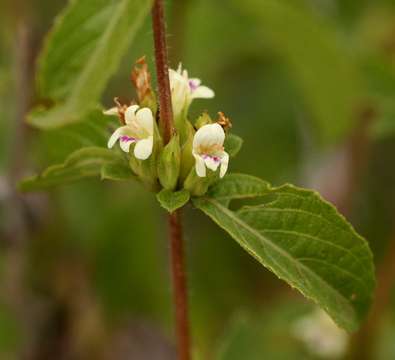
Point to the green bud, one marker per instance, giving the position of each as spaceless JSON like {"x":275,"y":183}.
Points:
{"x":198,"y":186}
{"x":187,"y":159}
{"x":181,"y":124}
{"x":202,"y":120}
{"x":169,"y":164}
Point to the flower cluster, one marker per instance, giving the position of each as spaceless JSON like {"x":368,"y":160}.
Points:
{"x":199,"y":149}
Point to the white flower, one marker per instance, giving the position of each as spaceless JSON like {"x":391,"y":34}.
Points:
{"x":185,"y":89}
{"x":321,"y":335}
{"x":208,"y":150}
{"x":139,"y":129}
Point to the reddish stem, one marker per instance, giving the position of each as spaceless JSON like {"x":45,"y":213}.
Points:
{"x":162,"y":70}
{"x":180,"y":285}
{"x":176,"y":241}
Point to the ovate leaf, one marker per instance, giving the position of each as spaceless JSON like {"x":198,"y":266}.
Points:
{"x":304,"y":241}
{"x":83,"y":163}
{"x":238,"y":186}
{"x":233,"y":144}
{"x":81,"y":53}
{"x":117,"y":171}
{"x":172,"y":201}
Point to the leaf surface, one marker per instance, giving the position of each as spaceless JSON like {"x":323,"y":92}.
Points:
{"x":83,"y":163}
{"x":80,"y":55}
{"x":304,"y":241}
{"x":172,"y":201}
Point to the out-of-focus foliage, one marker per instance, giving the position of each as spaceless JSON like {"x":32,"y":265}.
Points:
{"x":97,"y":34}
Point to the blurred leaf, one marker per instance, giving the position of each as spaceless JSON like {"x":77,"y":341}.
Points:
{"x":10,"y":332}
{"x":94,"y":129}
{"x":118,"y":171}
{"x":255,"y":336}
{"x":86,"y":162}
{"x":172,"y":201}
{"x":81,"y":54}
{"x":304,"y":241}
{"x":233,"y":144}
{"x":323,"y":70}
{"x":380,"y":76}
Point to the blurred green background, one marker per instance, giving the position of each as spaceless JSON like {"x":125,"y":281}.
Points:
{"x":308,"y":84}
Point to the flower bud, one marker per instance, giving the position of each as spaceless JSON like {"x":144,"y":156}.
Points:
{"x":169,"y":164}
{"x":202,"y":120}
{"x":187,"y":159}
{"x":197,"y":186}
{"x":183,"y":91}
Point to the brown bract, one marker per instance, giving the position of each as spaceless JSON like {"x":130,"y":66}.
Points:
{"x":141,"y":79}
{"x":121,"y":110}
{"x":224,"y":121}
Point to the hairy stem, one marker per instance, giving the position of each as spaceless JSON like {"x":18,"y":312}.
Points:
{"x":176,"y":241}
{"x":162,"y":70}
{"x":180,"y":285}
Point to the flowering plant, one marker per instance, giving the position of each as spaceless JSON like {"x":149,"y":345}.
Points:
{"x":291,"y":231}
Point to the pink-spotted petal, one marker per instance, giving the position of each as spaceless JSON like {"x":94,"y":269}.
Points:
{"x":125,"y":141}
{"x":212,"y":162}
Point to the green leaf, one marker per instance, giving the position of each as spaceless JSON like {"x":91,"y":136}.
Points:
{"x":254,"y":336}
{"x":325,"y":73}
{"x":233,"y":144}
{"x":172,"y":201}
{"x":117,"y":171}
{"x":306,"y":242}
{"x":94,"y":129}
{"x":80,"y":55}
{"x":238,"y":186}
{"x":83,"y":163}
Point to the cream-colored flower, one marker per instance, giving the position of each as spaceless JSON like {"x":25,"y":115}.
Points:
{"x":321,"y":335}
{"x":139,"y":129}
{"x":208,"y":150}
{"x":185,"y":89}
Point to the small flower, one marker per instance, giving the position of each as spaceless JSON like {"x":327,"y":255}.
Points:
{"x":185,"y":89}
{"x":321,"y":335}
{"x":208,"y":150}
{"x":139,"y":129}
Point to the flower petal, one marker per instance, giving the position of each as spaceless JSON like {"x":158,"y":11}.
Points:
{"x":202,"y":92}
{"x":195,"y":81}
{"x":200,"y":166}
{"x":143,"y":148}
{"x":125,"y":144}
{"x":130,"y":113}
{"x":112,"y":111}
{"x":145,"y":119}
{"x":209,"y":135}
{"x":115,"y":136}
{"x":224,"y":164}
{"x":211,"y":163}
